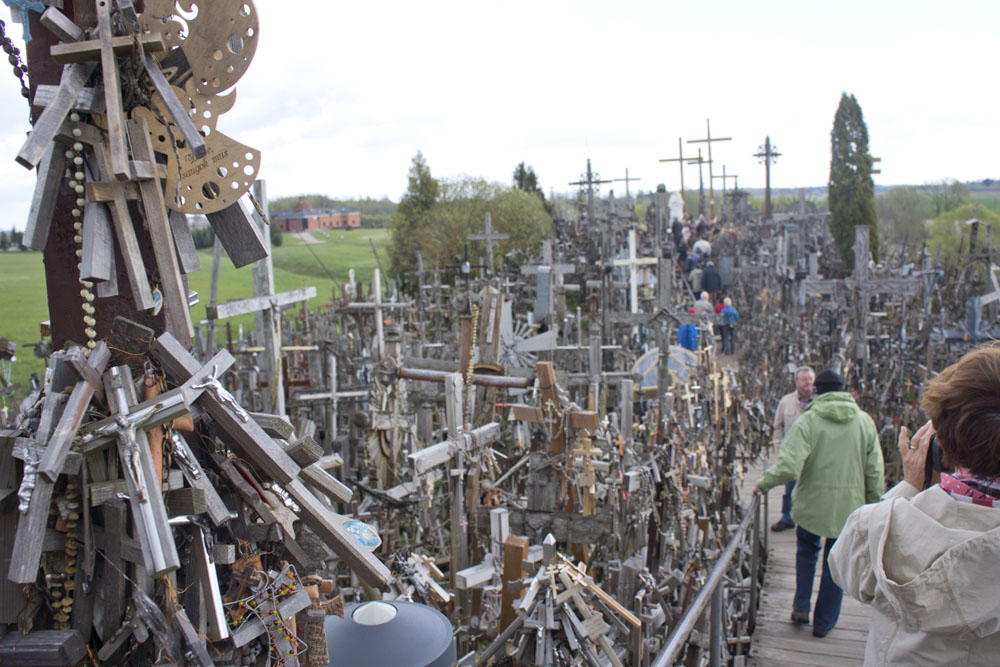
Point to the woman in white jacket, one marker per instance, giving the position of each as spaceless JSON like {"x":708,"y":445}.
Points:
{"x":927,"y":560}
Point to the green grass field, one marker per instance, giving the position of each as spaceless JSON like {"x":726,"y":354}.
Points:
{"x":23,"y":300}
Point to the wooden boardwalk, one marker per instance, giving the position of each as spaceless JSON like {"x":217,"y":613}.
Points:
{"x":778,"y":641}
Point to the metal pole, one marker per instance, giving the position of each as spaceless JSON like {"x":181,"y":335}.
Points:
{"x":715,"y":647}
{"x":755,"y":568}
{"x":767,"y":522}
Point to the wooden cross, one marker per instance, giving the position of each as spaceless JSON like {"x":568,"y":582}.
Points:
{"x":112,"y":93}
{"x":116,"y":195}
{"x":628,"y":196}
{"x":633,"y":262}
{"x":587,"y":480}
{"x":590,"y":179}
{"x":263,"y":452}
{"x":175,"y":299}
{"x":378,"y":307}
{"x":89,"y":384}
{"x":767,"y":153}
{"x":464,"y":266}
{"x":709,"y":139}
{"x":725,"y":178}
{"x":488,"y":236}
{"x":701,"y":182}
{"x":35,"y":492}
{"x":552,"y":415}
{"x":680,"y":160}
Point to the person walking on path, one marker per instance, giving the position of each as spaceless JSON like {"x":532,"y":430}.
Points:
{"x":729,"y":319}
{"x":790,"y":407}
{"x":834,"y":452}
{"x":711,"y":280}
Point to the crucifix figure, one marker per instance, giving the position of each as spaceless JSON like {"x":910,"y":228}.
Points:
{"x":490,"y":237}
{"x":709,"y":139}
{"x":767,"y":154}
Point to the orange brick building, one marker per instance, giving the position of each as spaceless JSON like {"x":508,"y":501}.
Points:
{"x":302,"y":218}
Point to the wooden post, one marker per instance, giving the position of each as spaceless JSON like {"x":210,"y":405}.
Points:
{"x":515,"y":552}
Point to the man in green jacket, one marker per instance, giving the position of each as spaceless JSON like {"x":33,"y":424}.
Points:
{"x":834,"y":453}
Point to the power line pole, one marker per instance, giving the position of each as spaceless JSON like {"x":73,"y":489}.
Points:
{"x":767,"y":154}
{"x":709,"y":139}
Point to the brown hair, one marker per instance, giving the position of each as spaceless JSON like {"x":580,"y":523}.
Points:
{"x":963,"y":402}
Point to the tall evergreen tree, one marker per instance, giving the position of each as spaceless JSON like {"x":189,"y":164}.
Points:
{"x":526,"y":179}
{"x":851,"y":190}
{"x":410,"y":220}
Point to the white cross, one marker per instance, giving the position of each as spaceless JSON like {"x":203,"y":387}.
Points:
{"x":633,"y":262}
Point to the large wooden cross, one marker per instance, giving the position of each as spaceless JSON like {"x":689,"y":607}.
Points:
{"x":590,"y":179}
{"x":490,"y":237}
{"x":558,"y":421}
{"x":681,"y":160}
{"x":709,"y":140}
{"x":633,"y":262}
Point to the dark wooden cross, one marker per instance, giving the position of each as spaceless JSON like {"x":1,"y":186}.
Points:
{"x":680,"y":160}
{"x":709,"y":139}
{"x":590,"y":179}
{"x":490,"y":237}
{"x":767,"y":154}
{"x":627,"y":180}
{"x":701,"y":182}
{"x":724,"y":177}
{"x":465,"y":268}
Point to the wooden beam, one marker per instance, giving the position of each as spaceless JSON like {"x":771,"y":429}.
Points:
{"x":114,"y":114}
{"x":91,"y":49}
{"x":74,"y":78}
{"x":175,"y":300}
{"x":258,"y":303}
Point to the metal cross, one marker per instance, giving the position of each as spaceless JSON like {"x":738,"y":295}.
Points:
{"x":19,"y":13}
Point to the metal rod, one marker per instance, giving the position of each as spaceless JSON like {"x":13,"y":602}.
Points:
{"x":715,"y":646}
{"x":678,"y":638}
{"x":754,"y":568}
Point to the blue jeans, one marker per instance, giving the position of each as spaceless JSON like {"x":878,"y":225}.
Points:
{"x":786,"y":503}
{"x":830,"y":595}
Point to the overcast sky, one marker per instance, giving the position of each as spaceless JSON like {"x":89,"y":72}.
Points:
{"x":340,"y":96}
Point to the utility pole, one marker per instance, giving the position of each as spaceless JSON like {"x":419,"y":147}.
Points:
{"x":767,"y":154}
{"x":709,"y":139}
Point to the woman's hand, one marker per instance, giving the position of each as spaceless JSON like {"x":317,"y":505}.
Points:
{"x":914,"y":453}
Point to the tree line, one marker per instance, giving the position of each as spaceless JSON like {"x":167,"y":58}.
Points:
{"x":436,"y":216}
